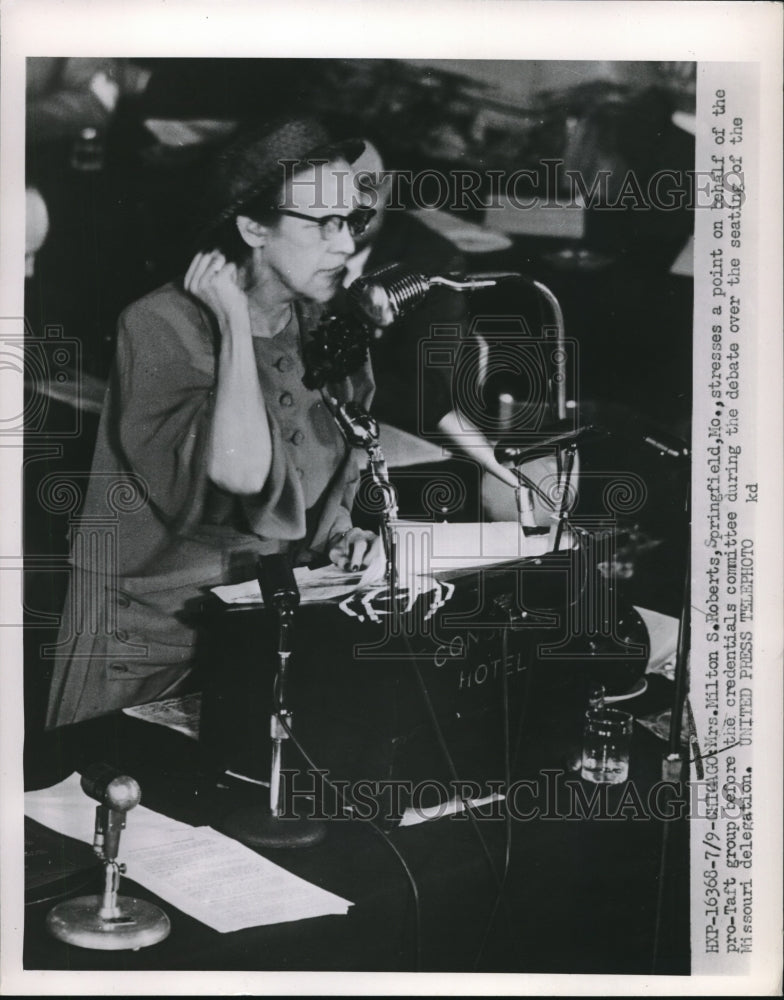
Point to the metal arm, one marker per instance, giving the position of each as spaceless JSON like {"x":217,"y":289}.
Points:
{"x":361,"y":431}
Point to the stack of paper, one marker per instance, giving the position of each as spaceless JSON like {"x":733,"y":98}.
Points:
{"x":206,"y":875}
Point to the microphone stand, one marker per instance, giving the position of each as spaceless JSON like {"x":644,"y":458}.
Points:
{"x":361,"y":431}
{"x":385,"y":295}
{"x":566,"y":456}
{"x":280,"y":722}
{"x":563,"y":513}
{"x":109,"y":922}
{"x":254,"y":825}
{"x":388,"y":293}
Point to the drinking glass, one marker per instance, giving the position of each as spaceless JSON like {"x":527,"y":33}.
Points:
{"x":606,"y":739}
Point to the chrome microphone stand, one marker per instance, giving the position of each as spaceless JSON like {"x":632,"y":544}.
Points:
{"x":390,"y":292}
{"x":361,"y":431}
{"x":109,"y":922}
{"x":255,"y":825}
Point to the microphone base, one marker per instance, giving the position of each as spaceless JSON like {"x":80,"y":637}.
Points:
{"x":255,"y":826}
{"x":77,"y":922}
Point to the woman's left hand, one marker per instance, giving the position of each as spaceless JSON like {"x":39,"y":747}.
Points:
{"x":356,"y":550}
{"x":215,"y":282}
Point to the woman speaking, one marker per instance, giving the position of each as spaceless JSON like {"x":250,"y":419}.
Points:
{"x":211,"y":451}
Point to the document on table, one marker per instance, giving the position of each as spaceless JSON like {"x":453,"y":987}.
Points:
{"x":663,"y":636}
{"x":415,"y":815}
{"x":321,"y":584}
{"x":210,"y":877}
{"x":226,"y":885}
{"x":423,"y":548}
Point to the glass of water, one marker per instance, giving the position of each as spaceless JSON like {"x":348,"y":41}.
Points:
{"x":606,"y":740}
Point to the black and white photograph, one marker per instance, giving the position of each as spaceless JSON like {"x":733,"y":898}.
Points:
{"x":391,"y":440}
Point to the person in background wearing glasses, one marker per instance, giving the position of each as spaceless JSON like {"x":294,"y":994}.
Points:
{"x":210,"y":450}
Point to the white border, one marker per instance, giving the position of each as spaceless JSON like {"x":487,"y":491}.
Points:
{"x":497,"y":29}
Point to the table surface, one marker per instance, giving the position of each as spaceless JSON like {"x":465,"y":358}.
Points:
{"x":580,"y":894}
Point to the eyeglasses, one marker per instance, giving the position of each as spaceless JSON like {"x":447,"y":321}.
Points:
{"x":330,"y":225}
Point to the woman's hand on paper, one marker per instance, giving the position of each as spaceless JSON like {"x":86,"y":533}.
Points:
{"x":357,"y":550}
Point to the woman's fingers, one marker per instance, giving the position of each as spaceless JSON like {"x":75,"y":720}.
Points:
{"x":191,"y":270}
{"x":357,"y":553}
{"x":209,"y":270}
{"x":376,"y":551}
{"x":204,"y":268}
{"x":365,"y":547}
{"x":355,"y":549}
{"x":216,"y":265}
{"x":196,"y":271}
{"x":232,"y":274}
{"x":375,"y":574}
{"x":375,"y":564}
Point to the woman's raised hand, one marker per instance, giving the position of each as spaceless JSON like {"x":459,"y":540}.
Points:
{"x":240,"y":447}
{"x":215,"y":282}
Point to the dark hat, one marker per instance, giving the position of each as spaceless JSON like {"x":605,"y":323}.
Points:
{"x":250,"y":168}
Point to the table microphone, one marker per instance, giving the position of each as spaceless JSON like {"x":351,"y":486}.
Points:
{"x":109,"y":922}
{"x":280,"y":593}
{"x":116,"y":794}
{"x":278,"y":584}
{"x":267,"y":826}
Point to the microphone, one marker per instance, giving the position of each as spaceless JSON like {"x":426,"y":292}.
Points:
{"x":280,"y":592}
{"x":111,"y":788}
{"x":279,"y":589}
{"x":383,"y":295}
{"x":116,"y":794}
{"x":391,"y":291}
{"x":358,"y":427}
{"x":109,"y":922}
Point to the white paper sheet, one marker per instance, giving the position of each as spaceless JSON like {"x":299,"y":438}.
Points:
{"x":414,"y":816}
{"x":208,"y":876}
{"x":182,"y":714}
{"x":441,"y":546}
{"x":422,"y":549}
{"x":226,"y":885}
{"x":315,"y":585}
{"x":663,"y":635}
